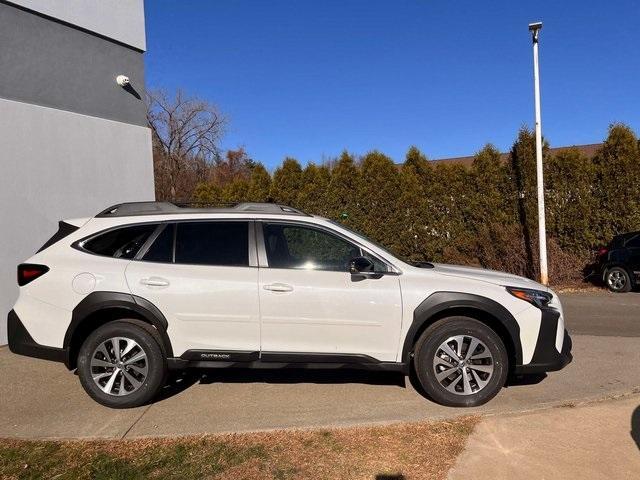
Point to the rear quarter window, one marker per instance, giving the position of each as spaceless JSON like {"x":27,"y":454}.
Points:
{"x":122,"y":242}
{"x":633,"y":242}
{"x":617,"y":242}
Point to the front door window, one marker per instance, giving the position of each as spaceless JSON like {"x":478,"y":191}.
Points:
{"x":298,"y":247}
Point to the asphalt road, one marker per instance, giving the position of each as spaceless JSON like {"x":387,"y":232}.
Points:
{"x":40,"y":399}
{"x":603,"y":313}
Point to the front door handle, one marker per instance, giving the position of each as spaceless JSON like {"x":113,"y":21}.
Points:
{"x":278,"y":287}
{"x":154,"y":282}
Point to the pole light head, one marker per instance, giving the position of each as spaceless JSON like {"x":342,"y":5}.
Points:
{"x":535,"y":28}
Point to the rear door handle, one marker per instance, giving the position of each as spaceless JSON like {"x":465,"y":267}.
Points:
{"x":278,"y":287}
{"x":154,"y":282}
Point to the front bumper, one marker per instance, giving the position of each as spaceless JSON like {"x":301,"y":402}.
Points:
{"x":546,"y":357}
{"x":22,"y":343}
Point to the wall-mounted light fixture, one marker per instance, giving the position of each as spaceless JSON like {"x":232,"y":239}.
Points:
{"x":122,"y":80}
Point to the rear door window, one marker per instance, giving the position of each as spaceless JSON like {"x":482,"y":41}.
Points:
{"x":213,"y":243}
{"x":161,"y":250}
{"x":121,"y":242}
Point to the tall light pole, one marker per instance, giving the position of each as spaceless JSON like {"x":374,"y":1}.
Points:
{"x":535,"y":28}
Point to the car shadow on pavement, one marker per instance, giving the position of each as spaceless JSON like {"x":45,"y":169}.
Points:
{"x":522,"y":380}
{"x":181,"y":381}
{"x":635,"y":426}
{"x":176,"y":383}
{"x":293,"y":375}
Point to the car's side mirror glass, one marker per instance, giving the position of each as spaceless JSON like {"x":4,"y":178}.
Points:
{"x":360,"y":266}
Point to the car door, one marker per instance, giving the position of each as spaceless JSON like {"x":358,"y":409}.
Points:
{"x":310,"y":303}
{"x":202,"y":276}
{"x":633,"y":251}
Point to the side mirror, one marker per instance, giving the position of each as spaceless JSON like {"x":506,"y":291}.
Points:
{"x":361,"y":266}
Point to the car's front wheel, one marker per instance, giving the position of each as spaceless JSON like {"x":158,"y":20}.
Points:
{"x":460,"y":362}
{"x":618,"y":280}
{"x":121,"y":365}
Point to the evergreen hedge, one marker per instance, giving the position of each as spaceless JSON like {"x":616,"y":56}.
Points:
{"x":484,"y":215}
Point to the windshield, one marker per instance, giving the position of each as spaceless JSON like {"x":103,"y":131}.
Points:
{"x":384,"y":249}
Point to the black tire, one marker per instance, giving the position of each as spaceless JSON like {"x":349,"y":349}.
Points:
{"x":155,"y":364}
{"x":428,"y":345}
{"x":618,"y":280}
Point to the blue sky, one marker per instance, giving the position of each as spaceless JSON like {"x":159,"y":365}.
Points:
{"x":307,"y":78}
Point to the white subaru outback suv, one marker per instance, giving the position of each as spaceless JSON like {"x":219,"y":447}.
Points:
{"x":144,"y":288}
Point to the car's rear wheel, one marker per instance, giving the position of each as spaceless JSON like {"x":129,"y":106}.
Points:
{"x":121,"y":365}
{"x":460,"y":362}
{"x":618,"y":280}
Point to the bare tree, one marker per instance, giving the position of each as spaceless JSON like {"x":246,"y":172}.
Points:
{"x":186,"y":135}
{"x":236,"y":164}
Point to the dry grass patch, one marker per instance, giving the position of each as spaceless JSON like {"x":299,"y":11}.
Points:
{"x":403,"y":451}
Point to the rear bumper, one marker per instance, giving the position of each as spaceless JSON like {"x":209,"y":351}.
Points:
{"x":546,"y":357}
{"x":22,"y":343}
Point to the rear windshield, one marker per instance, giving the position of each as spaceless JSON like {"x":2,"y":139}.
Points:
{"x":121,"y":242}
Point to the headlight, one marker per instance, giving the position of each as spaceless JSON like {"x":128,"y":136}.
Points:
{"x":538,"y":298}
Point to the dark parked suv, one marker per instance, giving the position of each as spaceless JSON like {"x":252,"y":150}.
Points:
{"x":619,"y":262}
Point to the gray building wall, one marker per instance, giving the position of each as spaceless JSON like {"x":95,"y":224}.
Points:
{"x":56,"y":66}
{"x":120,"y":20}
{"x":72,"y":140}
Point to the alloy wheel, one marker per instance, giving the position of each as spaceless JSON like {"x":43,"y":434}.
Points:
{"x":616,"y":280}
{"x":463,"y":365}
{"x":119,"y":366}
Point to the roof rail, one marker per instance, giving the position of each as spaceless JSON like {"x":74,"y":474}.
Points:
{"x":138,"y":208}
{"x":164,"y":208}
{"x":266,"y":208}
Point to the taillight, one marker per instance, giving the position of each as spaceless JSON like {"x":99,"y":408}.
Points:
{"x":28,"y":272}
{"x":602,"y":251}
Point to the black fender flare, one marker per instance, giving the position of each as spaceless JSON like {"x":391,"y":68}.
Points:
{"x":97,"y":301}
{"x":437,"y":304}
